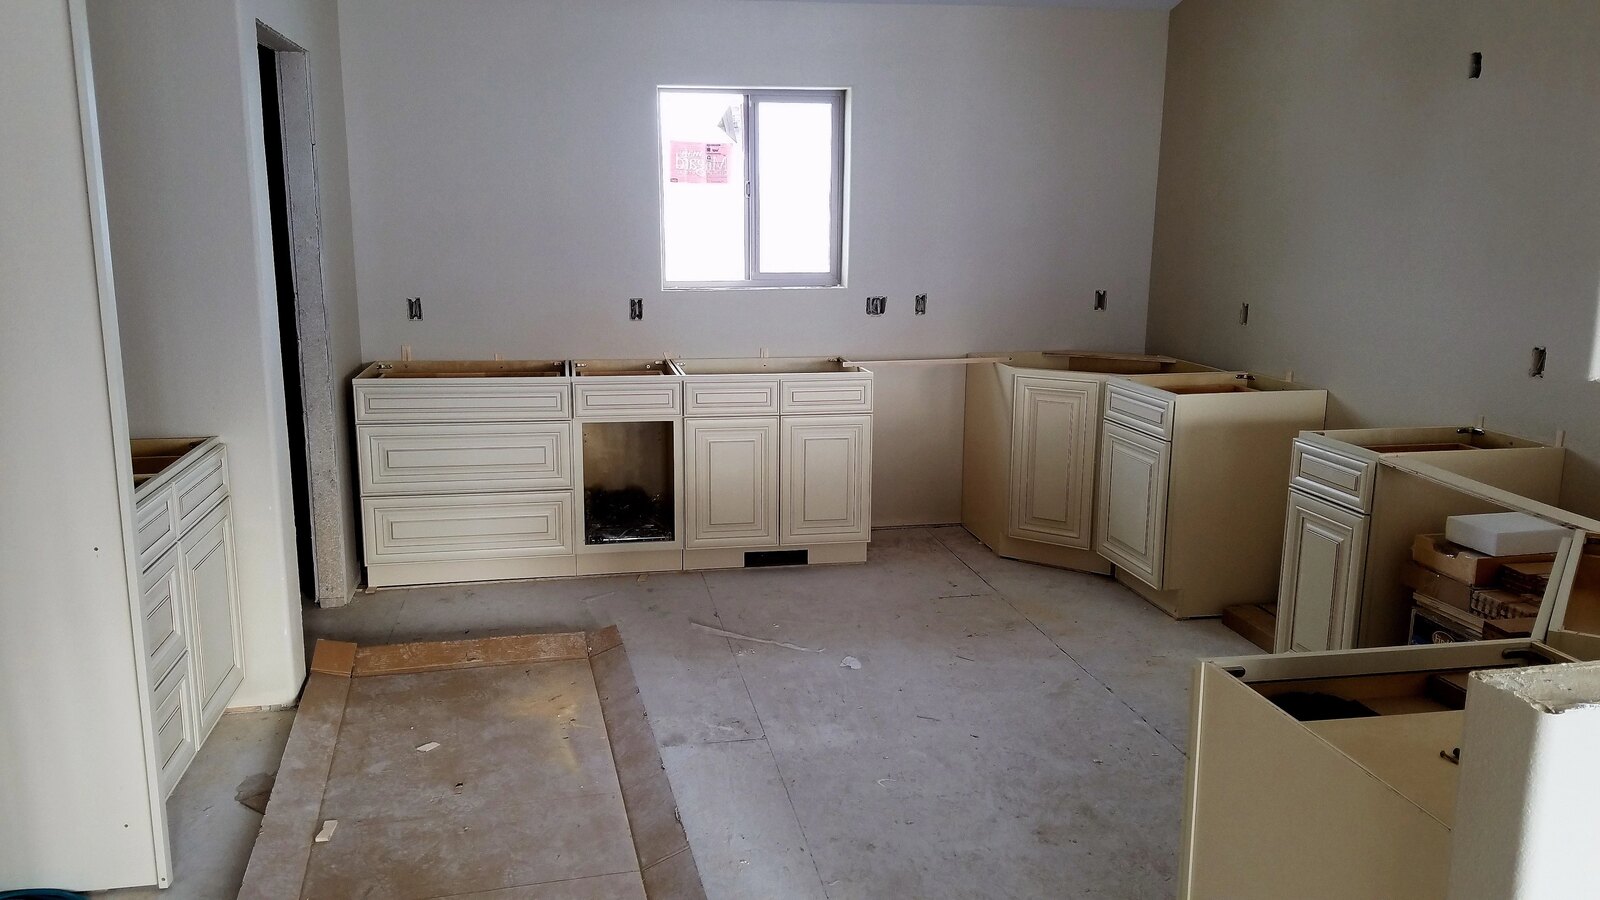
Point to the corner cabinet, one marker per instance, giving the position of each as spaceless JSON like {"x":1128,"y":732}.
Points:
{"x":1053,"y":443}
{"x":189,"y":594}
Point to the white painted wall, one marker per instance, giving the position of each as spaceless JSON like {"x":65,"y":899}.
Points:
{"x":75,"y":789}
{"x":503,"y":168}
{"x":1404,"y":235}
{"x":186,"y":179}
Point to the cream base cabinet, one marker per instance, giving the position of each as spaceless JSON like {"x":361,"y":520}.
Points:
{"x":1053,"y":444}
{"x":827,"y":479}
{"x":731,"y":473}
{"x":1319,"y":597}
{"x":1134,"y":470}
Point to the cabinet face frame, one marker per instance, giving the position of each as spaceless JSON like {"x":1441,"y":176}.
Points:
{"x":1058,"y":461}
{"x":1325,"y":600}
{"x":752,"y":488}
{"x":848,"y":477}
{"x":1149,"y":461}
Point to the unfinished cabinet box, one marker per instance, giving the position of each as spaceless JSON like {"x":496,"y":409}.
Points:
{"x":1032,"y":449}
{"x":1351,"y":520}
{"x":778,"y":461}
{"x":1192,"y":485}
{"x":1349,"y":806}
{"x":189,"y":593}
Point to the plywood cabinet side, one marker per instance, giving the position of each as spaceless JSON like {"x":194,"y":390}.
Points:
{"x":1229,"y":490}
{"x":1273,"y":811}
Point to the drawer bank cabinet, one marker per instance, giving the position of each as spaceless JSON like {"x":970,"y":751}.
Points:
{"x":476,"y":471}
{"x":188,"y":589}
{"x":1032,"y":448}
{"x":1192,"y":484}
{"x":1351,"y":520}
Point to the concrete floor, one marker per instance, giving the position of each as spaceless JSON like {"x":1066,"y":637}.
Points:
{"x":1013,"y":730}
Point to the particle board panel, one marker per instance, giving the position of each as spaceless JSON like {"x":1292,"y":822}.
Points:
{"x":508,"y":764}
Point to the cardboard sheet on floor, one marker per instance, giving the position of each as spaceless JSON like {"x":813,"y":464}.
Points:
{"x":542,"y":779}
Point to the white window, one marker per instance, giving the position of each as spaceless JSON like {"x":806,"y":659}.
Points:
{"x":752,"y":187}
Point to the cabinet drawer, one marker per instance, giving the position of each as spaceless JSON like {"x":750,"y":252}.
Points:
{"x":1150,"y":413}
{"x":802,"y":396}
{"x":471,"y":526}
{"x":446,"y":459}
{"x":174,"y":729}
{"x":462,"y":400}
{"x":165,"y":629}
{"x":1331,"y":475}
{"x":731,"y":397}
{"x":652,"y":399}
{"x":200,"y":487}
{"x":155,"y":526}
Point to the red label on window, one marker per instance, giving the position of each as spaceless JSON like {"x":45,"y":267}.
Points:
{"x":697,"y":163}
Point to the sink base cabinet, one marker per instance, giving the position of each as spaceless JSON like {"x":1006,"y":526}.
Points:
{"x":730,"y":469}
{"x":827,"y":480}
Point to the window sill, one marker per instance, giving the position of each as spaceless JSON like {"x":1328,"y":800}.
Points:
{"x":691,"y":288}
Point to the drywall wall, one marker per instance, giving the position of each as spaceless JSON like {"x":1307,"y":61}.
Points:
{"x":190,"y":233}
{"x":74,"y":784}
{"x":1002,"y":160}
{"x":1404,"y":235}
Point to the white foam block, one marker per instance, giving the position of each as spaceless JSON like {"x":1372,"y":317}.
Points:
{"x":1504,"y":534}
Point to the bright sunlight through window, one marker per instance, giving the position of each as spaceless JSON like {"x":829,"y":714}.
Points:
{"x":752,"y":188}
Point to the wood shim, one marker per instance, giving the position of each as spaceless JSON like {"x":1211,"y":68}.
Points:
{"x":401,"y":659}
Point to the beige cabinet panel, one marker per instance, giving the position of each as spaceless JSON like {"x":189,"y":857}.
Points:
{"x":1140,"y":408}
{"x":500,"y":399}
{"x":731,"y":474}
{"x":730,"y":397}
{"x":456,"y":459}
{"x":166,"y":623}
{"x":210,"y":585}
{"x":175,"y":726}
{"x":200,"y":487}
{"x":1054,"y":430}
{"x":827,"y":475}
{"x":1319,"y":595}
{"x":1132,"y":502}
{"x":1343,"y":478}
{"x":656,"y":398}
{"x":830,"y":394}
{"x":155,"y":525}
{"x":468,"y":526}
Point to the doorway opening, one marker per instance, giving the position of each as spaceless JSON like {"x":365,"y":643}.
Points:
{"x":315,"y":434}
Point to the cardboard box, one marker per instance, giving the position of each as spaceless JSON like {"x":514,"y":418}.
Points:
{"x":1440,"y":587}
{"x":1465,"y":624}
{"x":1505,"y":533}
{"x":1462,"y":564}
{"x":1499,"y":629}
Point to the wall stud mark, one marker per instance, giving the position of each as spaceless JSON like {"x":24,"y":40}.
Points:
{"x":921,"y":307}
{"x":876,"y":305}
{"x":1099,"y":299}
{"x":635,"y":309}
{"x":414,"y":309}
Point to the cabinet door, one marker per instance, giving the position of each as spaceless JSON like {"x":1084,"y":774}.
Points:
{"x":1131,"y":504}
{"x":1054,"y":430}
{"x":731,"y":478}
{"x":827,"y":479}
{"x":1319,"y":591}
{"x":210,"y":579}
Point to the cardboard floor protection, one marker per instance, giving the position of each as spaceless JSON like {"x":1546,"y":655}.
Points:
{"x":520,"y":765}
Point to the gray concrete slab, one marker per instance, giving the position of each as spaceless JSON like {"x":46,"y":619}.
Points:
{"x":798,"y":778}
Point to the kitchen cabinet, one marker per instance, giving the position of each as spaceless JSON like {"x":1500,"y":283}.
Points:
{"x":189,"y":593}
{"x":1032,"y":447}
{"x":731,"y":469}
{"x":827,"y":479}
{"x":1351,"y":520}
{"x":1193,"y":484}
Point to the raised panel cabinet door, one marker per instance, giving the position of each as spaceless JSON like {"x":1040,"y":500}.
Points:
{"x":1324,"y":555}
{"x":210,"y":582}
{"x":1054,"y":430}
{"x":1131,"y":503}
{"x":826,"y":471}
{"x":731,"y":478}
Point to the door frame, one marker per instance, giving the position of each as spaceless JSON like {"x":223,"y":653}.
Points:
{"x":330,"y":542}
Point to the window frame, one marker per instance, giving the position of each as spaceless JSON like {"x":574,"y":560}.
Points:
{"x":755,"y":279}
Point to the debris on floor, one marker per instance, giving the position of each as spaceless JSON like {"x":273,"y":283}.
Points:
{"x":254,"y":791}
{"x":326,"y":834}
{"x":429,"y":746}
{"x":745,"y":637}
{"x":850,"y":662}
